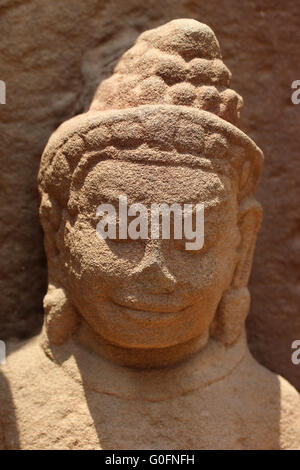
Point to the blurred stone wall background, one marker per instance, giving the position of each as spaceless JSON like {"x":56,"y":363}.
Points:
{"x":52,"y":56}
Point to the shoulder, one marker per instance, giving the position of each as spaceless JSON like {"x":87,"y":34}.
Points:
{"x":289,"y":416}
{"x":2,"y":437}
{"x":13,"y":376}
{"x":3,"y":407}
{"x":270,"y":407}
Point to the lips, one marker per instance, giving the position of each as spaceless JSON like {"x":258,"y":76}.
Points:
{"x":151,"y":310}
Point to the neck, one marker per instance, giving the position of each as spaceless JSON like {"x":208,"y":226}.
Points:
{"x":91,"y":370}
{"x":139,"y":357}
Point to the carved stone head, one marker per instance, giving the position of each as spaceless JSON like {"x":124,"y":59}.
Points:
{"x":162,"y":129}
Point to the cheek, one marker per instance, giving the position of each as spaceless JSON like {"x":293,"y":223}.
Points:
{"x":226,"y":257}
{"x":202,"y":273}
{"x":211,"y":269}
{"x":93,"y":261}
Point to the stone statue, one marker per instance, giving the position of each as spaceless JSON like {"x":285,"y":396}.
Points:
{"x":143,"y":345}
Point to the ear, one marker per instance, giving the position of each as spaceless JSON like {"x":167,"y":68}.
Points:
{"x":249,"y":221}
{"x":61,"y":319}
{"x":234,"y":305}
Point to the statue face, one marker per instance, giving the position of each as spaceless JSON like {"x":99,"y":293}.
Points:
{"x":150,"y":293}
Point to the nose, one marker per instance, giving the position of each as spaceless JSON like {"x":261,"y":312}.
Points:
{"x":153,"y":271}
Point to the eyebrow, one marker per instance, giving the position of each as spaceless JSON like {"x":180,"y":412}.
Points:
{"x":110,"y":197}
{"x":208,"y":205}
{"x":213,"y":203}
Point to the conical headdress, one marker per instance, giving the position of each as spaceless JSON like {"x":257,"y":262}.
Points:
{"x":167,"y":100}
{"x":178,"y":63}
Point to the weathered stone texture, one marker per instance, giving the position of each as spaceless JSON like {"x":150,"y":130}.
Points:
{"x":53,"y":55}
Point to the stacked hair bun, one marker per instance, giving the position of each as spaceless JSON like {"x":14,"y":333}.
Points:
{"x":178,"y":63}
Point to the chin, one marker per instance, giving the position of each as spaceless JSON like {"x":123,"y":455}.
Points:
{"x":133,"y":328}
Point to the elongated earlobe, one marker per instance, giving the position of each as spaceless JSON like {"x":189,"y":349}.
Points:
{"x":250,"y":216}
{"x":231,"y":315}
{"x":234,"y":306}
{"x":61,"y":319}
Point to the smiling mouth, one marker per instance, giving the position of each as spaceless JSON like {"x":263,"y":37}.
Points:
{"x":150,"y":312}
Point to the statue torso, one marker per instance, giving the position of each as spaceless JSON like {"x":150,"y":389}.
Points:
{"x":50,"y":409}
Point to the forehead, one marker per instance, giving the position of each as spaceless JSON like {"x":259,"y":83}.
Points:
{"x":148,"y":183}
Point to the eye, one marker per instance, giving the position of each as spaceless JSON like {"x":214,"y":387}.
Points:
{"x":125,"y":241}
{"x":210,"y":239}
{"x":181,"y":245}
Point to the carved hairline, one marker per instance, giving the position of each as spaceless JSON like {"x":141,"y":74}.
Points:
{"x":166,"y":127}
